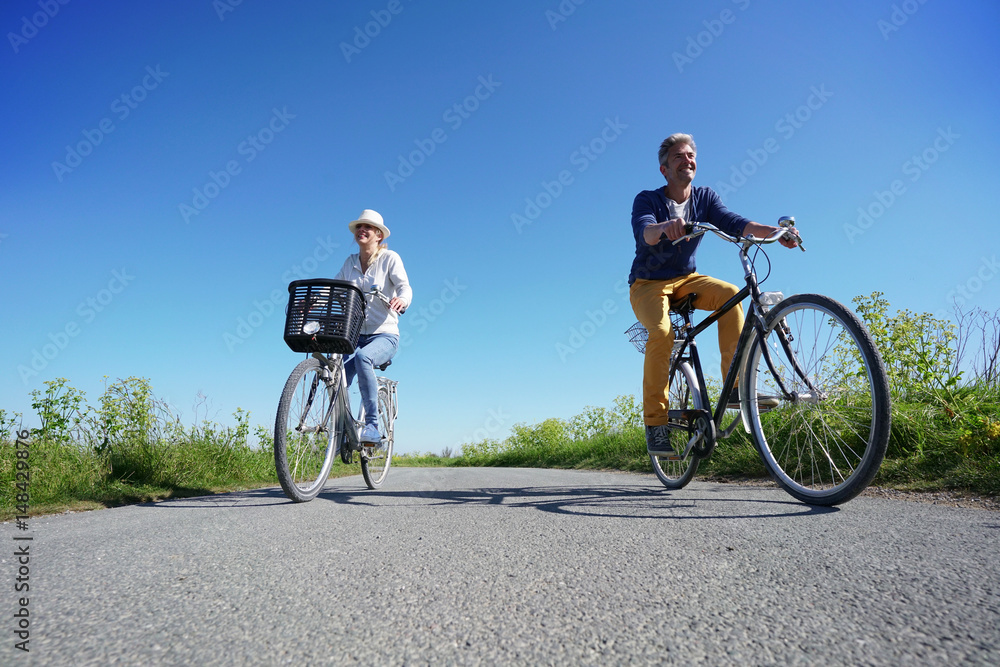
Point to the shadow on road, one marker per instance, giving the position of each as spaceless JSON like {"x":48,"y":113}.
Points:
{"x":596,"y":501}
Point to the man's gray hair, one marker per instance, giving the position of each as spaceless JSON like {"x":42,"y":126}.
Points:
{"x":677,"y":138}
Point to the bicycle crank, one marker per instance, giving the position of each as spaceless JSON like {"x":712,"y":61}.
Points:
{"x":704,"y":437}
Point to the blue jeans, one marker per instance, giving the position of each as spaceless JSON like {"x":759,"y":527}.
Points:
{"x":372,"y":351}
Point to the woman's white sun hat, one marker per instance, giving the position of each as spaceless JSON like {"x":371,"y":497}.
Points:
{"x":370,"y":217}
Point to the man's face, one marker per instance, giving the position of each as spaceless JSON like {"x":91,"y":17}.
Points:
{"x":681,"y":164}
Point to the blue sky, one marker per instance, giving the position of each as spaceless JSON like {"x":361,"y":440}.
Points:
{"x":169,"y":167}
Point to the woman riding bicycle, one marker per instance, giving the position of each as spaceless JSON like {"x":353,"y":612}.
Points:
{"x":374,"y":265}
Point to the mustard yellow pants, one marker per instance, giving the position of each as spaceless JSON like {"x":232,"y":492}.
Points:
{"x":651,"y":302}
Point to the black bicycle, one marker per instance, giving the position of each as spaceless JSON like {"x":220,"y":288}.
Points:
{"x":813,"y":390}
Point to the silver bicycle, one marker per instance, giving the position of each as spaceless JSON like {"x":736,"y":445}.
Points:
{"x":813,"y":389}
{"x":314,"y":423}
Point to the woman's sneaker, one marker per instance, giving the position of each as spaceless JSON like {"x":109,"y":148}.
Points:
{"x":658,"y":441}
{"x":370,"y":435}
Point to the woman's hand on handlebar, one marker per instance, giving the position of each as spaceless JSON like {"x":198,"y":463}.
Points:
{"x":397,"y":305}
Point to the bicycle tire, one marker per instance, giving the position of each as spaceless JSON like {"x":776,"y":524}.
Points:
{"x":684,"y":394}
{"x":375,"y":461}
{"x":305,"y":427}
{"x":825,"y":446}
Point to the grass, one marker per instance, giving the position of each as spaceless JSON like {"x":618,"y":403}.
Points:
{"x":931,"y":448}
{"x":129,"y":449}
{"x":928,"y":450}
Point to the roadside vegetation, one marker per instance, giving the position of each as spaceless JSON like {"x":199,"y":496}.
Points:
{"x":945,"y":421}
{"x":129,"y":448}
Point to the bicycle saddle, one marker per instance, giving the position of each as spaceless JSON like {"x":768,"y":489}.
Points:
{"x":685,"y":305}
{"x":385,"y":365}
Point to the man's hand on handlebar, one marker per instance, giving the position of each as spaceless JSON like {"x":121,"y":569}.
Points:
{"x":789,"y":239}
{"x":675,"y":229}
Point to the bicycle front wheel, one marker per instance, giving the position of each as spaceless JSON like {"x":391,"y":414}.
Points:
{"x":819,"y":408}
{"x":304,"y":430}
{"x":684,"y":395}
{"x":375,"y":461}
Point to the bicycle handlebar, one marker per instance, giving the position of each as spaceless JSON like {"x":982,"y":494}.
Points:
{"x":696,"y":229}
{"x":375,"y":291}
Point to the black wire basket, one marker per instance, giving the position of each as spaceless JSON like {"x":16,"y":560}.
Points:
{"x":323,"y":315}
{"x":638,"y":336}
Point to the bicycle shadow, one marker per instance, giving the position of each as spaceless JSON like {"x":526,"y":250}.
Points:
{"x":620,"y":502}
{"x":609,"y":501}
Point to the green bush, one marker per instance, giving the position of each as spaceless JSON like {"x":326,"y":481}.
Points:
{"x":126,"y":449}
{"x":129,"y":447}
{"x":945,"y":434}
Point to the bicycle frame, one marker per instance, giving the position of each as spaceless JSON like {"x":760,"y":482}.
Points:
{"x":341,"y":420}
{"x":688,"y":351}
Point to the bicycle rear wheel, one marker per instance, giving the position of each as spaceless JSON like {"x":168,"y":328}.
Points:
{"x":304,"y":430}
{"x":684,"y":395}
{"x":375,"y":461}
{"x":826,"y":438}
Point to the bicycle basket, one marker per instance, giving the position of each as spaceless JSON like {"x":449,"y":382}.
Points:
{"x":637,"y":335}
{"x":323,"y":315}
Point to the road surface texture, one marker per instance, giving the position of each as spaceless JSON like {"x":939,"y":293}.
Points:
{"x":510,"y":566}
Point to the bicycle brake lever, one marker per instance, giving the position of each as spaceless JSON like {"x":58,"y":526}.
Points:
{"x":797,"y":239}
{"x":691,"y":233}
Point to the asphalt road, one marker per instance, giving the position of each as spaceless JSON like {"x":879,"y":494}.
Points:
{"x":509,"y":566}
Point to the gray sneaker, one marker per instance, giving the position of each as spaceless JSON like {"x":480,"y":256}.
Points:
{"x":658,"y":441}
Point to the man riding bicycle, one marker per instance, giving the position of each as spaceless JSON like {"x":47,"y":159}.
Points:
{"x":663,"y":272}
